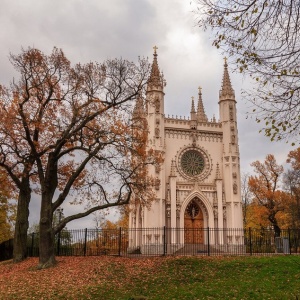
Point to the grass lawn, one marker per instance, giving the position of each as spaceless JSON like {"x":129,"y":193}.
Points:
{"x":161,"y":278}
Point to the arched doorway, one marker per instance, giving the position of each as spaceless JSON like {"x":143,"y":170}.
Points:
{"x":193,"y":223}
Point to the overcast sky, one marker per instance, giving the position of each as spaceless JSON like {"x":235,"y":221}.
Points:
{"x":93,"y":30}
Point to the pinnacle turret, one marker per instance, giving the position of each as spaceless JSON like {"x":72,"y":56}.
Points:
{"x":226,"y":90}
{"x":156,"y":78}
{"x":201,"y":116}
{"x":193,"y":111}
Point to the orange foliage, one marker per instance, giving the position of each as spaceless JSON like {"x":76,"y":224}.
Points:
{"x":68,"y":131}
{"x":267,"y":194}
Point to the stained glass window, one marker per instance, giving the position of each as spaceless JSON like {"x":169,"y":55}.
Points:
{"x":192,"y":162}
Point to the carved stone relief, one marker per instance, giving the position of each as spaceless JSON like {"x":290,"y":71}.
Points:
{"x":235,"y":187}
{"x":157,"y":132}
{"x":157,"y":183}
{"x":157,"y":105}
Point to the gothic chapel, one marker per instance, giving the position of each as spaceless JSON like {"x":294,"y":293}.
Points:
{"x":198,"y":184}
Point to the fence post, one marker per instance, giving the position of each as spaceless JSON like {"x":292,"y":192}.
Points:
{"x":208,"y":242}
{"x":85,"y":240}
{"x":250,"y":241}
{"x":120,"y":241}
{"x":165,"y":245}
{"x":290,"y":248}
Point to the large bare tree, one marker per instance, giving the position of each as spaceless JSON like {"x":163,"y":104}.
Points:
{"x":262,"y":39}
{"x":67,"y":134}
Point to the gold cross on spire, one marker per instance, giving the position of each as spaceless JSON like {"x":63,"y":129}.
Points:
{"x":200,"y":89}
{"x":155,"y":48}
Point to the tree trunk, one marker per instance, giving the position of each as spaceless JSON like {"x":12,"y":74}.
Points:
{"x":273,"y":221}
{"x":277,"y":230}
{"x":47,"y":241}
{"x":22,"y":224}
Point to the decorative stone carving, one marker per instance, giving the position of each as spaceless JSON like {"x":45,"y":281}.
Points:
{"x":231,"y":112}
{"x":178,"y":210}
{"x":215,"y":212}
{"x":157,"y":132}
{"x":157,"y":168}
{"x":233,"y":139}
{"x":157,"y":105}
{"x":235,"y":187}
{"x":157,"y":183}
{"x":224,"y":212}
{"x":234,"y":176}
{"x":194,"y":139}
{"x":168,"y":210}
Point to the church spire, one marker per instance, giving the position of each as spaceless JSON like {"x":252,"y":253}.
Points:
{"x":155,"y":79}
{"x":226,"y":90}
{"x":201,"y":116}
{"x":193,"y":111}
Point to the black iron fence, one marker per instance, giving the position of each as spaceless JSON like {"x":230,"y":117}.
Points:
{"x":166,"y":241}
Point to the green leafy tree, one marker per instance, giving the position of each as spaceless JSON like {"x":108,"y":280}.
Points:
{"x":262,"y":39}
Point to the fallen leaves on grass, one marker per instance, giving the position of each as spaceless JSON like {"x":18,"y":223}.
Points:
{"x":72,"y":275}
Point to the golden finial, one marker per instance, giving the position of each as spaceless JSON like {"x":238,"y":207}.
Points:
{"x":155,"y":48}
{"x":225,"y":61}
{"x":200,"y":89}
{"x":192,"y":98}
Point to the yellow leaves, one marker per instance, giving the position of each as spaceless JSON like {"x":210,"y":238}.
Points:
{"x":294,"y":159}
{"x":7,"y":209}
{"x":253,"y":31}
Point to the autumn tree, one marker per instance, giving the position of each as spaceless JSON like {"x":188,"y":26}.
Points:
{"x":262,"y":39}
{"x":66,"y":132}
{"x":257,"y":216}
{"x":246,"y":197}
{"x":122,"y":220}
{"x":7,"y":208}
{"x":292,"y":184}
{"x":265,"y":187}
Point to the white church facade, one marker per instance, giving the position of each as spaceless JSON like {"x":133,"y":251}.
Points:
{"x":198,"y":183}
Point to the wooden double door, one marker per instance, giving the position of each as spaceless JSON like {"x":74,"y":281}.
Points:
{"x":193,"y":224}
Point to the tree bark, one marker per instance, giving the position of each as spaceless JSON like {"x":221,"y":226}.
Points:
{"x":22,"y":224}
{"x":47,"y":238}
{"x":47,"y":242}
